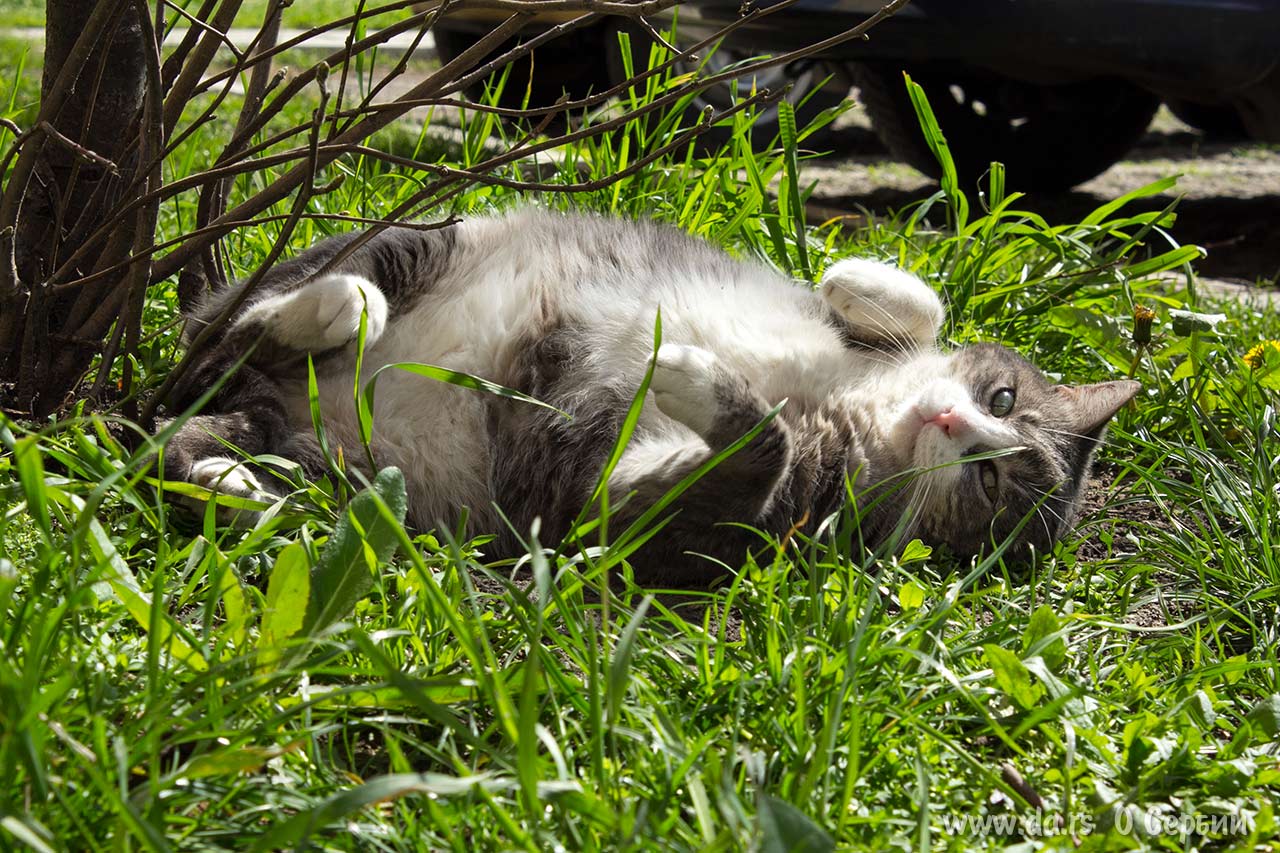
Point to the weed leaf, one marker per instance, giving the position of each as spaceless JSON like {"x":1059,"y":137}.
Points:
{"x":288,"y":593}
{"x":786,"y":829}
{"x":1012,"y":676}
{"x":361,"y":541}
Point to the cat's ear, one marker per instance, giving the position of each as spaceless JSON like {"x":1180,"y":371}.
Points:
{"x":1093,"y":405}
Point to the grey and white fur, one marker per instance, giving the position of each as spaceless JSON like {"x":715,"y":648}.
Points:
{"x":562,"y":307}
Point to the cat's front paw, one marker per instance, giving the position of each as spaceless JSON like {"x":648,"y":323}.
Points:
{"x":224,"y":476}
{"x":323,"y":314}
{"x":882,"y":302}
{"x":684,"y":386}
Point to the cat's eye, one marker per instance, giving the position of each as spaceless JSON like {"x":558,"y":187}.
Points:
{"x":990,"y":479}
{"x":1002,"y":402}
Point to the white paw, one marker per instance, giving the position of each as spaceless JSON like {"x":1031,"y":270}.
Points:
{"x":883,"y":301}
{"x":227,"y":477}
{"x":323,"y":314}
{"x":684,"y":386}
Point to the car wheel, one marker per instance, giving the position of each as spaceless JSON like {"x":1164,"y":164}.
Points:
{"x":1049,"y":137}
{"x":825,"y":86}
{"x":1216,"y":121}
{"x":572,"y":63}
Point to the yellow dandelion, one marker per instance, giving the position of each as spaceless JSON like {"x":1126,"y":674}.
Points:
{"x":1256,"y":357}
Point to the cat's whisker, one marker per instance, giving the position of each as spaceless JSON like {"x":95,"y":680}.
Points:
{"x":889,"y":317}
{"x":1044,"y":523}
{"x":1062,"y":519}
{"x":888,"y":361}
{"x":1066,"y":432}
{"x":897,"y":334}
{"x":917,"y":505}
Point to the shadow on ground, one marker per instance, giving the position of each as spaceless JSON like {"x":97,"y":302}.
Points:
{"x":1230,"y":202}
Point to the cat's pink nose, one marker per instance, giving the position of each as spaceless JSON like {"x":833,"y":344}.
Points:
{"x":949,"y":421}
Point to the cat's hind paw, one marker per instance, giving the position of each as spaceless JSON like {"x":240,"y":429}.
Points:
{"x":881,"y":302}
{"x":684,"y":386}
{"x":323,"y":314}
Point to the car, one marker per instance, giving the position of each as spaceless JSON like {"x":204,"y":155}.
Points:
{"x":1057,"y":90}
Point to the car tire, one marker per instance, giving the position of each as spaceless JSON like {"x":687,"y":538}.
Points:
{"x":1049,"y":137}
{"x":572,"y":63}
{"x":1220,"y":122}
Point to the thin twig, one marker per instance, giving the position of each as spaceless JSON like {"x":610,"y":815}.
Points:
{"x":305,"y":193}
{"x":77,"y":149}
{"x":658,"y":37}
{"x":198,"y":24}
{"x":184,"y":87}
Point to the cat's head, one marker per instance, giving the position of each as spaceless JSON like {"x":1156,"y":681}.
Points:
{"x":989,"y":398}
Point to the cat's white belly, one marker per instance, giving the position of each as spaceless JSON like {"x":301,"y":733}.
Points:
{"x":435,"y":432}
{"x":492,"y":299}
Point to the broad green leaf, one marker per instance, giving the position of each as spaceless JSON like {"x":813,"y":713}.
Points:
{"x":915,"y":551}
{"x":1265,"y":716}
{"x":1012,"y":676}
{"x":1186,"y":322}
{"x":285,"y":611}
{"x":786,"y":829}
{"x":233,"y":604}
{"x":1044,"y":624}
{"x":361,"y":541}
{"x":232,"y":759}
{"x":911,"y":595}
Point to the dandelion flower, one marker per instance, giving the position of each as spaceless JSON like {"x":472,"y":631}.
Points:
{"x":1256,"y":357}
{"x":1142,"y":320}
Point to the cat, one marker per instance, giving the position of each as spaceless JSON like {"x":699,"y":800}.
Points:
{"x":561,"y":307}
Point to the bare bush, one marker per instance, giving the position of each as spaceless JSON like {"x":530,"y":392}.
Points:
{"x":84,"y":184}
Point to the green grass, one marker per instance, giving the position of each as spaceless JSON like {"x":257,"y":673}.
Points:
{"x":330,"y":680}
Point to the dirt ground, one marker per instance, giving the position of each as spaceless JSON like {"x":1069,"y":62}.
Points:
{"x":1230,"y":191}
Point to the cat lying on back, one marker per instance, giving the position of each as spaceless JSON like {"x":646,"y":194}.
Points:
{"x":562,"y":308}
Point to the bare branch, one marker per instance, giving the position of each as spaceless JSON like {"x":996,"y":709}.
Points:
{"x":98,"y":284}
{"x":77,"y":149}
{"x":200,"y":25}
{"x":192,"y":70}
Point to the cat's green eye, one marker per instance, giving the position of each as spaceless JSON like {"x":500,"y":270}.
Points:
{"x":1002,"y":402}
{"x":990,"y":479}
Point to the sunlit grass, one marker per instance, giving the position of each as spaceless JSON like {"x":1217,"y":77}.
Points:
{"x":329,"y":678}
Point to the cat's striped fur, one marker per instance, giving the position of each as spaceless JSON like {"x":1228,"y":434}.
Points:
{"x":562,"y":307}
